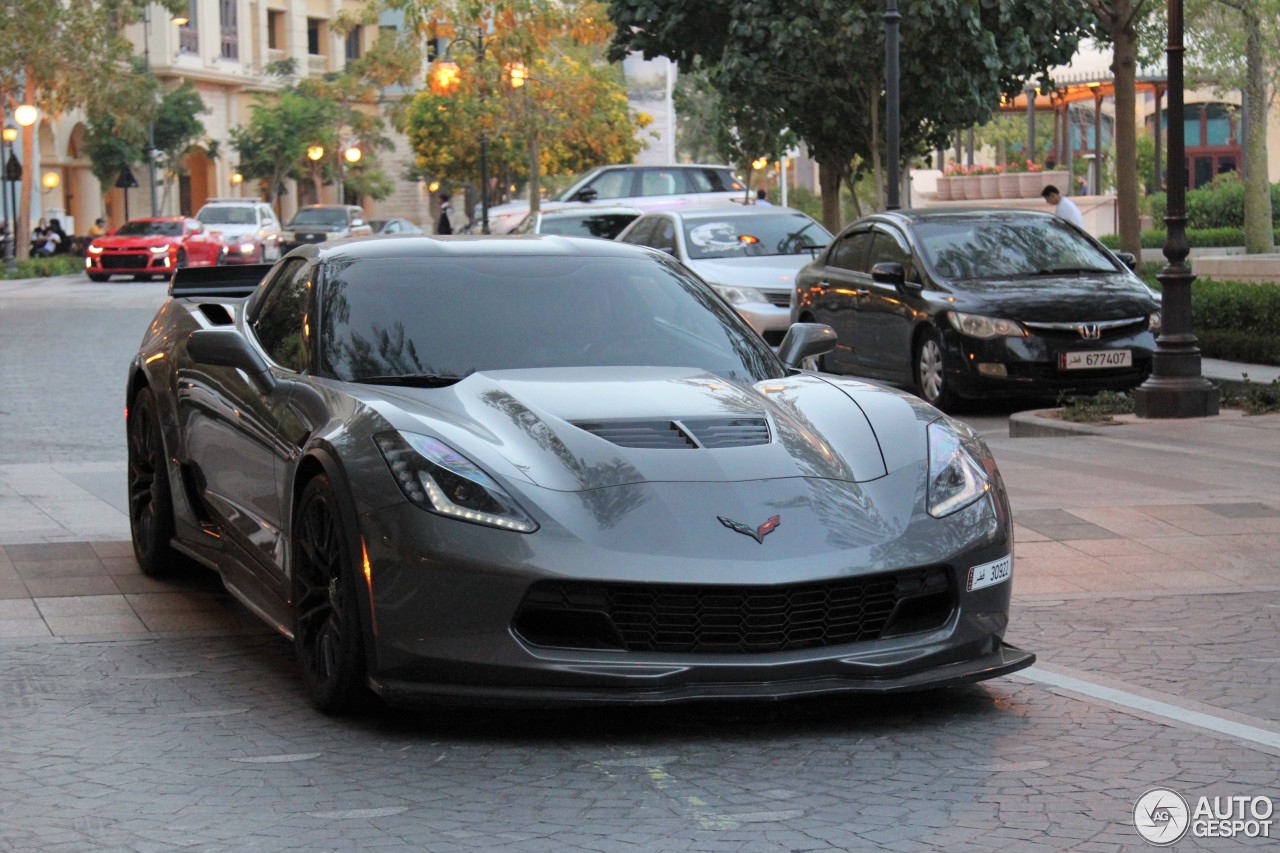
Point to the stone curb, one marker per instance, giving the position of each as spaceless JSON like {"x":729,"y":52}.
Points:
{"x":1034,"y":424}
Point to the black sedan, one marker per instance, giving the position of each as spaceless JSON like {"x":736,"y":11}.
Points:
{"x":555,"y":470}
{"x":979,"y":303}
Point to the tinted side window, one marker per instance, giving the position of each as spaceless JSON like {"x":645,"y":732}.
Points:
{"x":664,"y":235}
{"x":891,"y":247}
{"x":851,"y":252}
{"x":661,"y":182}
{"x":280,"y":320}
{"x":641,"y":234}
{"x":613,"y":184}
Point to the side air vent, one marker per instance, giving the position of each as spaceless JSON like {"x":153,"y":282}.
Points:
{"x":217,"y":314}
{"x":684,"y":434}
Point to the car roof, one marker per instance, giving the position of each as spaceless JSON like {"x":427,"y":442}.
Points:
{"x":159,"y":219}
{"x":570,"y":208}
{"x":955,"y":213}
{"x":475,"y":246}
{"x":724,"y":211}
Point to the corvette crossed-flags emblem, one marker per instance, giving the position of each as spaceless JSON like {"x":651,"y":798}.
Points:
{"x":756,"y":533}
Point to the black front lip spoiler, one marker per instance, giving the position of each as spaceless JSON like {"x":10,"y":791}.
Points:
{"x":1003,"y":661}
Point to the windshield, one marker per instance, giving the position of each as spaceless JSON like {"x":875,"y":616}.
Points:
{"x":333,"y":217}
{"x":1002,"y":247}
{"x":226,"y":216}
{"x":750,"y":236}
{"x":142,"y":228}
{"x":450,"y":318}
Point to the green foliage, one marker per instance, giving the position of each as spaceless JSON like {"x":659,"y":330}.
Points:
{"x":1098,"y":408}
{"x":1259,"y":399}
{"x":1198,"y":238}
{"x":271,"y":146}
{"x":1220,"y":205}
{"x":44,"y":267}
{"x":817,"y":67}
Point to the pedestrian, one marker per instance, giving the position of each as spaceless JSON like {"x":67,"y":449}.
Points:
{"x":44,"y":241}
{"x":98,"y":228}
{"x":1064,"y":207}
{"x":762,"y":197}
{"x":61,"y":242}
{"x":451,"y":221}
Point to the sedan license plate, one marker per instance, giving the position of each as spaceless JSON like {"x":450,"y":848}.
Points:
{"x":1094,"y":359}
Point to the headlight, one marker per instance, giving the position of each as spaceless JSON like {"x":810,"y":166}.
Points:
{"x":160,"y":250}
{"x":977,"y":326}
{"x":246,"y":248}
{"x":287,"y":236}
{"x":739,"y":295}
{"x":438,"y":478}
{"x":1154,"y":321}
{"x":956,"y":476}
{"x":88,"y":262}
{"x":95,"y":250}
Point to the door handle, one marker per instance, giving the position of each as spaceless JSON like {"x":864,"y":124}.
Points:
{"x":825,"y":285}
{"x":861,"y":292}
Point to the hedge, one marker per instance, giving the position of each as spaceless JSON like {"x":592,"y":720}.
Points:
{"x":1233,"y":320}
{"x":1217,"y":206}
{"x":1199,"y":238}
{"x":44,"y":267}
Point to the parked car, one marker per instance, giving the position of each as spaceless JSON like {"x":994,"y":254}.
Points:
{"x":979,"y":303}
{"x":634,"y":186}
{"x":549,"y":470}
{"x":249,"y":229}
{"x":394,"y":226}
{"x":151,"y":248}
{"x":750,"y":255}
{"x":578,"y":220}
{"x":317,"y":223}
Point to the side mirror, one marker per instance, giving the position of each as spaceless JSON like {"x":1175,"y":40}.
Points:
{"x":1128,"y":260}
{"x":806,"y":340}
{"x":585,"y":194}
{"x":889,"y":273}
{"x":228,"y":348}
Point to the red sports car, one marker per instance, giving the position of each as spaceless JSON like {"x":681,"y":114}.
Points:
{"x":150,"y":248}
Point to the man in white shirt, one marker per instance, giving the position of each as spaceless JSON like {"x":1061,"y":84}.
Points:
{"x":1064,"y":207}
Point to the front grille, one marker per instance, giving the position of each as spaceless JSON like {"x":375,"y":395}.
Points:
{"x":1105,"y":330}
{"x":713,"y":619}
{"x":124,"y":262}
{"x":681,"y":434}
{"x":779,"y":299}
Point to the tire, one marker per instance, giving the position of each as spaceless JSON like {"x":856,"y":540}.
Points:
{"x":931,"y":371}
{"x":327,"y":634}
{"x":151,"y":522}
{"x":98,"y":277}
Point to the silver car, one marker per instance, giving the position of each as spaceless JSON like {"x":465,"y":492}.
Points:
{"x":549,"y":470}
{"x":750,"y":255}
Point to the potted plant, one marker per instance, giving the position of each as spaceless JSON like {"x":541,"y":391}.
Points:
{"x":1009,"y":184}
{"x":1031,"y":181}
{"x":989,"y":180}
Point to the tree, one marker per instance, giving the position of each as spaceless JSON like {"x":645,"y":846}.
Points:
{"x":177,"y":129}
{"x":270,"y":146}
{"x":1119,"y":22}
{"x":569,"y":112}
{"x":59,"y":56}
{"x":819,"y":65}
{"x":1248,"y":29}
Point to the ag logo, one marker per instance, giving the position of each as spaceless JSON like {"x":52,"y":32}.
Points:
{"x":1161,"y":816}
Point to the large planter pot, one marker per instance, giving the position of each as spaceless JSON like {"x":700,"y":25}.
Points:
{"x":1009,"y":185}
{"x":990,"y":185}
{"x":1060,"y":179}
{"x":943,"y":192}
{"x":960,"y":187}
{"x":1030,"y":184}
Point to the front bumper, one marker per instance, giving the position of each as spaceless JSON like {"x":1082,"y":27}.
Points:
{"x":770,"y":320}
{"x":133,"y":262}
{"x":445,"y":597}
{"x":1031,"y":364}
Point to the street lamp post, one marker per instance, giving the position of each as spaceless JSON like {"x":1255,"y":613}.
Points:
{"x":151,"y":126}
{"x":1176,"y":388}
{"x":7,"y":138}
{"x":446,"y":75}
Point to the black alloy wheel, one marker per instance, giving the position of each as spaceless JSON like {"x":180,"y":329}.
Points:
{"x":931,"y":371}
{"x":150,"y":500}
{"x":326,"y":631}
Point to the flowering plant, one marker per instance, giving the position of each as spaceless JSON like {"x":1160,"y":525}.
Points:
{"x":953,"y":169}
{"x":1015,"y":166}
{"x":1034,"y":167}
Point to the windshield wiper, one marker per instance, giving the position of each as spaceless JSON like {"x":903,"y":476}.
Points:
{"x":412,"y":380}
{"x":1070,"y":271}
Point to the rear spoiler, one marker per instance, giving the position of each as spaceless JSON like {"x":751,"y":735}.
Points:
{"x":232,"y":281}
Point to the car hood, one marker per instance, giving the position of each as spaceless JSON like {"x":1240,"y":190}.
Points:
{"x":769,"y":272}
{"x":1048,"y":299}
{"x":139,"y":242}
{"x":315,"y":229}
{"x":564,"y":428}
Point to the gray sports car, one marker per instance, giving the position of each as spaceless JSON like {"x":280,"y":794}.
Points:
{"x":555,"y":470}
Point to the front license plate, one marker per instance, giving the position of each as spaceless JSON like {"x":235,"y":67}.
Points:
{"x":990,"y":574}
{"x":1092,"y":360}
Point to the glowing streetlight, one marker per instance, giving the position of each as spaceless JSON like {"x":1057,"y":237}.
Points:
{"x":26,"y":115}
{"x":352,"y":154}
{"x":315,"y":152}
{"x":10,"y":134}
{"x":50,"y":180}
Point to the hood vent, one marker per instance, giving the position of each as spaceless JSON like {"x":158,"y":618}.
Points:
{"x":684,"y":434}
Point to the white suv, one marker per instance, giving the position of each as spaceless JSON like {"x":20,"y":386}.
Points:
{"x":643,"y":187}
{"x":249,"y":229}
